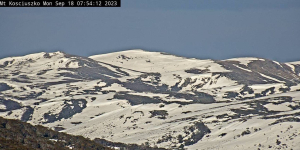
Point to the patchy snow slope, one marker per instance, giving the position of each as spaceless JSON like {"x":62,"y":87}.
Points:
{"x":137,"y":96}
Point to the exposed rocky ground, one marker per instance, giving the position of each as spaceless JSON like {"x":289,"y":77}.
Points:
{"x":157,"y":99}
{"x":18,"y":135}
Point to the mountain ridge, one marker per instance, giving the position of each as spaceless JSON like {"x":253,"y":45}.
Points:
{"x":155,"y":98}
{"x":140,"y":50}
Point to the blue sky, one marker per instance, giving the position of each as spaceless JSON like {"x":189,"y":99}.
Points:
{"x":202,"y":29}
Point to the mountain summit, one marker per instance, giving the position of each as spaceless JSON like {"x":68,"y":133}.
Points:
{"x":157,"y":99}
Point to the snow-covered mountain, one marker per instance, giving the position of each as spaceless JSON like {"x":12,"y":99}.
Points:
{"x":158,"y":99}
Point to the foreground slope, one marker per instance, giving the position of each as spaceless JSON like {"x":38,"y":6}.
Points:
{"x":19,"y":135}
{"x":157,"y":99}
